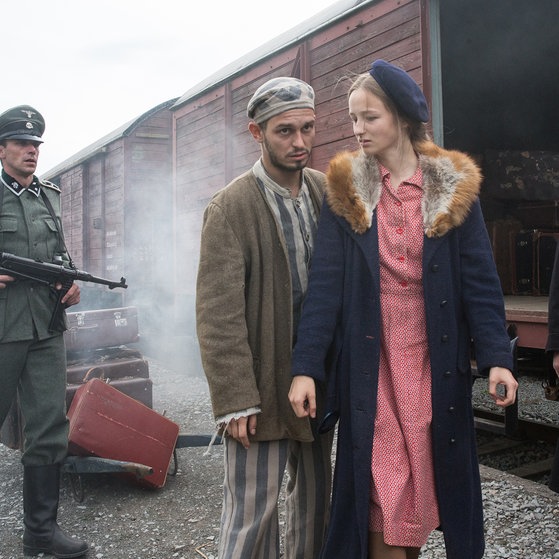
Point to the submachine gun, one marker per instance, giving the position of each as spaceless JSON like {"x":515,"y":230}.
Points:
{"x":50,"y":274}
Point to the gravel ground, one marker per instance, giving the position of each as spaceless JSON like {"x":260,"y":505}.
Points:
{"x":121,"y":520}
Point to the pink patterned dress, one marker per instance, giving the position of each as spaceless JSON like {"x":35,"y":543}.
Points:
{"x":403,"y":499}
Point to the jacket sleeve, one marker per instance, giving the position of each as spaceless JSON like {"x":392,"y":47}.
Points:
{"x":482,"y":296}
{"x":220,"y":317}
{"x":553,"y":310}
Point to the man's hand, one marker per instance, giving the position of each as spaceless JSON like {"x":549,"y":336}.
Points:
{"x":72,"y":296}
{"x":5,"y":280}
{"x":240,"y":428}
{"x":498,"y":376}
{"x":302,"y":396}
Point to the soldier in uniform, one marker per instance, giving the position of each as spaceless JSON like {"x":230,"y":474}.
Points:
{"x":33,"y":357}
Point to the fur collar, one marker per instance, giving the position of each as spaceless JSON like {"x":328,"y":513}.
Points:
{"x":451,"y":184}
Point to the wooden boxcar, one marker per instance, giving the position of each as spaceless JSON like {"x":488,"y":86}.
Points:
{"x":489,"y":71}
{"x":117,"y":207}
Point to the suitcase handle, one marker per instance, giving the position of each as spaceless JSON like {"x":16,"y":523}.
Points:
{"x":90,"y":371}
{"x":92,"y":327}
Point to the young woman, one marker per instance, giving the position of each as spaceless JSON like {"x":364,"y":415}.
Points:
{"x":402,"y":282}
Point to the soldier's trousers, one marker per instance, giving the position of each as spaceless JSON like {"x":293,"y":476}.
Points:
{"x":35,"y":370}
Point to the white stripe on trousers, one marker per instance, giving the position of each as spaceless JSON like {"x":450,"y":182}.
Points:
{"x":252,"y":484}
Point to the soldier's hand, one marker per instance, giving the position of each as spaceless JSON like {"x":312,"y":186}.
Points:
{"x":5,"y":280}
{"x":72,"y":297}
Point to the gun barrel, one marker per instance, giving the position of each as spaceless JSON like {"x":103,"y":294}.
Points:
{"x":46,"y":272}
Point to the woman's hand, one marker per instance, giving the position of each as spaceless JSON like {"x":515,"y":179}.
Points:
{"x":499,"y":376}
{"x":302,"y":396}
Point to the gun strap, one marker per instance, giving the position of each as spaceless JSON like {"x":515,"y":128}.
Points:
{"x":58,"y":225}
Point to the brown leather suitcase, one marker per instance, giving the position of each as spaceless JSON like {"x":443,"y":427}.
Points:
{"x":90,"y":330}
{"x":107,"y":369}
{"x":140,"y":389}
{"x":105,"y":422}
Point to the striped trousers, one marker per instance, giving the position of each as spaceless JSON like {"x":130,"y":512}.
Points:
{"x":253,"y":480}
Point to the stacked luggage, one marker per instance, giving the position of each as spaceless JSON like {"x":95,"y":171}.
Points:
{"x":109,"y":401}
{"x":96,"y":347}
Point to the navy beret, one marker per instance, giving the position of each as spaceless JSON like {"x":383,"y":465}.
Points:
{"x":22,"y":123}
{"x":402,"y":89}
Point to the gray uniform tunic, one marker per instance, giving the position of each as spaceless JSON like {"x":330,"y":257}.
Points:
{"x":33,"y":359}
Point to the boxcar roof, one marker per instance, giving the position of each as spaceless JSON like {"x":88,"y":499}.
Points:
{"x":124,"y":130}
{"x":300,"y":31}
{"x":294,"y":35}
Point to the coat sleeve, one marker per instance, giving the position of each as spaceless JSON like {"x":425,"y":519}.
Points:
{"x":482,"y":296}
{"x":553,"y":310}
{"x":220,"y":317}
{"x":322,"y":306}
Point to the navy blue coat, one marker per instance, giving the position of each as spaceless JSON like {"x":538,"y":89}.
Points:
{"x":338,"y":338}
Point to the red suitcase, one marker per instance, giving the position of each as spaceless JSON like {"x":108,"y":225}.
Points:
{"x":11,"y":432}
{"x":88,"y":330}
{"x":105,"y":422}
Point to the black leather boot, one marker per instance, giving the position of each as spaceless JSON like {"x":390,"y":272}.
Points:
{"x":41,"y":485}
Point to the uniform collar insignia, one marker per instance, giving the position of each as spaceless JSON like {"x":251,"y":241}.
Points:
{"x":11,"y":184}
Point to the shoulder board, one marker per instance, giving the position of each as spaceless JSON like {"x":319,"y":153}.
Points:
{"x":49,"y":184}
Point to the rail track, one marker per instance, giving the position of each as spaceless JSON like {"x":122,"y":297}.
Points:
{"x":525,"y":449}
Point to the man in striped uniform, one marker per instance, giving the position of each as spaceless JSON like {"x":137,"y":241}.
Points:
{"x":256,"y":246}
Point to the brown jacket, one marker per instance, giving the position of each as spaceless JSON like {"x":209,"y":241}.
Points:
{"x":243,"y":307}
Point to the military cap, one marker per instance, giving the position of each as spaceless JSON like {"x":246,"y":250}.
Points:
{"x":22,"y":123}
{"x":402,"y":89}
{"x":279,"y":95}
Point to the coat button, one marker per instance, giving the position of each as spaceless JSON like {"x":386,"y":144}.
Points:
{"x":444,"y":338}
{"x":451,"y":409}
{"x":443,"y":303}
{"x":435,"y":267}
{"x":447,"y":373}
{"x":452,"y":440}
